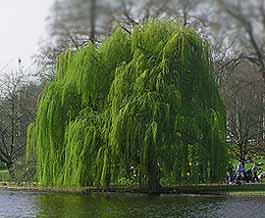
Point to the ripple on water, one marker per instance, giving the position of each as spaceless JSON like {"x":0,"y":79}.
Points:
{"x":17,"y":204}
{"x":29,"y":205}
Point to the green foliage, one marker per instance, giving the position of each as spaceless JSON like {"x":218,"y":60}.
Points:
{"x":146,"y":101}
{"x":4,"y":175}
{"x":31,"y":141}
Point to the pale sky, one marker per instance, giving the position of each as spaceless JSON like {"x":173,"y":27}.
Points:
{"x":22,"y":27}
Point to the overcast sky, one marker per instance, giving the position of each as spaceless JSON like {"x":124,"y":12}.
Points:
{"x":22,"y":26}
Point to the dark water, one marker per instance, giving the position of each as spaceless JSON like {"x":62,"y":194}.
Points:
{"x":27,"y":205}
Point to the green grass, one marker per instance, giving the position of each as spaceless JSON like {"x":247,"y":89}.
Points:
{"x":4,"y":175}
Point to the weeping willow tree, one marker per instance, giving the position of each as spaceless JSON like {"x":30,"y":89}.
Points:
{"x":146,"y":100}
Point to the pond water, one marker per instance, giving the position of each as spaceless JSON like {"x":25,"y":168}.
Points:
{"x":42,"y":205}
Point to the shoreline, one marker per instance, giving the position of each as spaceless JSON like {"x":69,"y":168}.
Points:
{"x":247,"y":190}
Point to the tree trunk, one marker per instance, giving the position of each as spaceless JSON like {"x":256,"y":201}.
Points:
{"x":93,"y":21}
{"x":154,"y":178}
{"x":242,"y":151}
{"x":108,"y":178}
{"x":108,"y":174}
{"x":140,"y":179}
{"x":11,"y":170}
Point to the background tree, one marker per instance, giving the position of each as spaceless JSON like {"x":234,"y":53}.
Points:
{"x":248,"y":29}
{"x":73,"y":23}
{"x":130,"y":12}
{"x":249,"y":19}
{"x":243,"y":94}
{"x":17,"y":110}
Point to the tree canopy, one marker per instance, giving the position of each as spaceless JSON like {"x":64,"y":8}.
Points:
{"x":146,"y":101}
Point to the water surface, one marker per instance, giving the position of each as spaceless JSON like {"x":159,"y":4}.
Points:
{"x":51,"y":205}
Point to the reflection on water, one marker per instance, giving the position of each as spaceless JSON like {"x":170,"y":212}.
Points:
{"x":116,"y":206}
{"x":29,"y":205}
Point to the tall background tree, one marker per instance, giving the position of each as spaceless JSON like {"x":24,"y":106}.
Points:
{"x":246,"y":31}
{"x":73,"y":23}
{"x":243,"y":93}
{"x":18,"y":104}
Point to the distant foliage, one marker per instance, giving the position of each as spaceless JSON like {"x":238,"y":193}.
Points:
{"x":143,"y":105}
